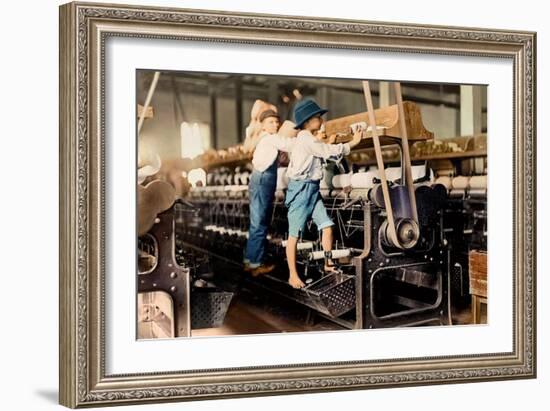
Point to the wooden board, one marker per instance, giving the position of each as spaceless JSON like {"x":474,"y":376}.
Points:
{"x":386,"y":117}
{"x":478,"y":272}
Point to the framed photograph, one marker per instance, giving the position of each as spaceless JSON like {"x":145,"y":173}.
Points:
{"x":263,"y":204}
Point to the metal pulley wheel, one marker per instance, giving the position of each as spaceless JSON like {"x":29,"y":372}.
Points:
{"x":376,"y":196}
{"x":407,"y":230}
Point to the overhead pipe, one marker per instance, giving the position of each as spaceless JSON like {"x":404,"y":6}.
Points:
{"x":148,"y":100}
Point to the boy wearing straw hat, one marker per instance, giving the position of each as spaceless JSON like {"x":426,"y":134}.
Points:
{"x":305,"y":171}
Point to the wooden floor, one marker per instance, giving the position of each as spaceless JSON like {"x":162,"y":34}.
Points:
{"x":463,"y":316}
{"x":257,"y":316}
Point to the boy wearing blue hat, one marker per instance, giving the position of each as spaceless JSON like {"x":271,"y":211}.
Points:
{"x":305,"y":171}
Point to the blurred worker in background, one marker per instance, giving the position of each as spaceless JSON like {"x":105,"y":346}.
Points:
{"x":254,"y":129}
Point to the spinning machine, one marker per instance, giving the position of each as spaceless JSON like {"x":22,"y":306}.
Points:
{"x":399,"y":248}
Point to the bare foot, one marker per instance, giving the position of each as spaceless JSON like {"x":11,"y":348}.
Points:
{"x":295,"y":281}
{"x":330,"y":269}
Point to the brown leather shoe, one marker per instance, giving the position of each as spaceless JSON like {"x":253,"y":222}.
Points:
{"x":262,"y":269}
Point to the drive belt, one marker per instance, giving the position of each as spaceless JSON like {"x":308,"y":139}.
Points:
{"x":380,"y":161}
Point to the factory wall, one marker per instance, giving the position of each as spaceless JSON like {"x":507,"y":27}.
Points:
{"x":161,"y":134}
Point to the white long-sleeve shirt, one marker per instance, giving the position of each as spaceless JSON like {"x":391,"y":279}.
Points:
{"x":268,"y":148}
{"x":309,"y":154}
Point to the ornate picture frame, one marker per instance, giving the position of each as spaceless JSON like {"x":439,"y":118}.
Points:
{"x":84,"y":29}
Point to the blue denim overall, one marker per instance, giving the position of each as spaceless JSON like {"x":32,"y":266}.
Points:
{"x":261,"y":192}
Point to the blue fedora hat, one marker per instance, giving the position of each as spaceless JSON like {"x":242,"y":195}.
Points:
{"x":304,"y":110}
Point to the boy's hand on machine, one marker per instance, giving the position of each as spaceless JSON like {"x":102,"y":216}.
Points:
{"x":321,"y":136}
{"x":357,"y":137}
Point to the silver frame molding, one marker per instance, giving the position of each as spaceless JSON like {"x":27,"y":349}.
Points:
{"x":84,"y":27}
